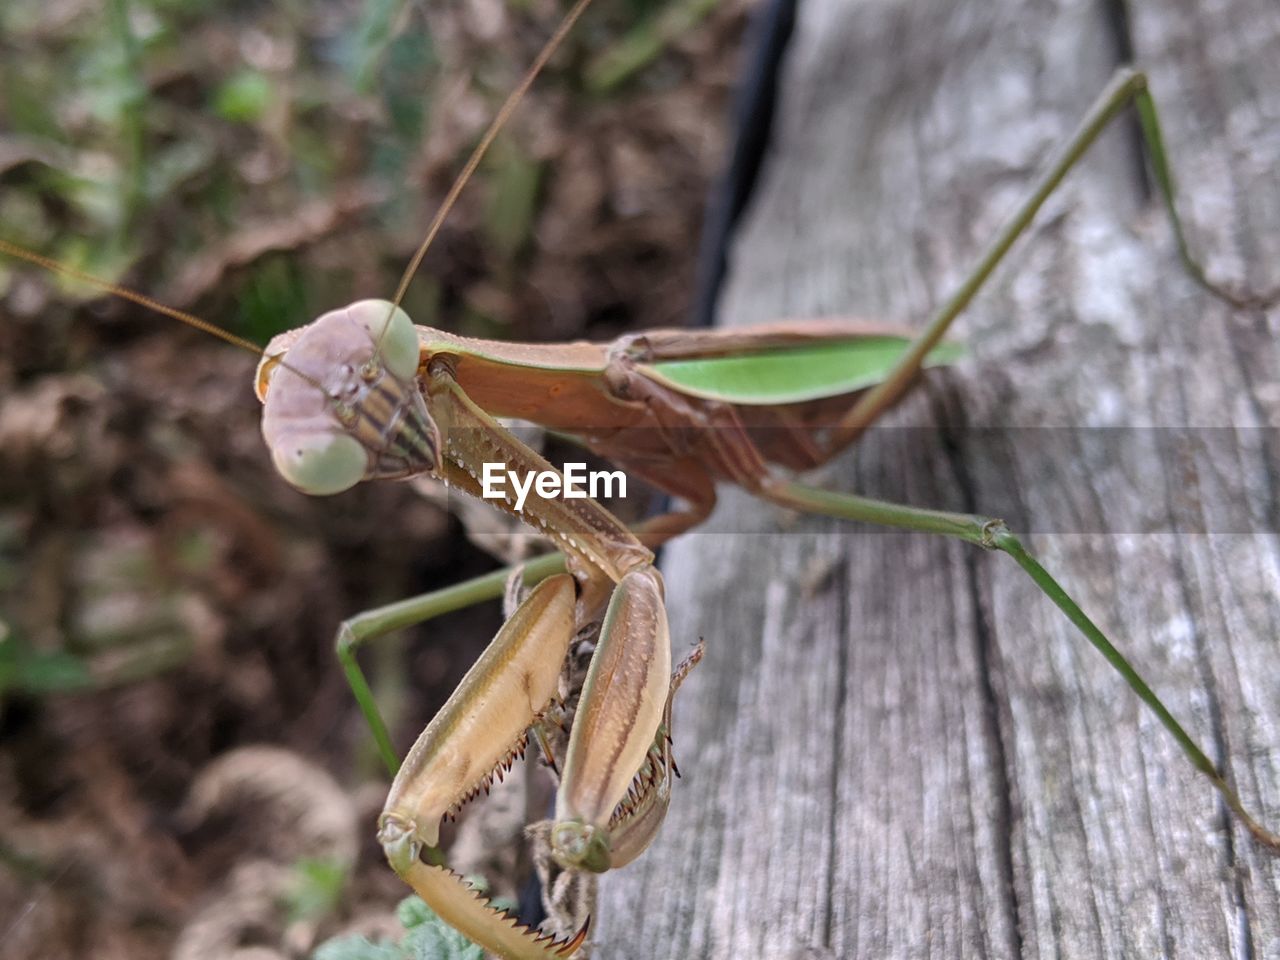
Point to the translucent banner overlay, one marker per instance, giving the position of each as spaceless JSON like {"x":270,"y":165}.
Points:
{"x":1081,"y":480}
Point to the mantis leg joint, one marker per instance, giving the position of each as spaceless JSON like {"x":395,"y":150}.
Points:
{"x":345,"y":640}
{"x":996,"y":535}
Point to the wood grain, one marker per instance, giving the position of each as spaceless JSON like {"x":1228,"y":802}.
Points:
{"x":895,"y":747}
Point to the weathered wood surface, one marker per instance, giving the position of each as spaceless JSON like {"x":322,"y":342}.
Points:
{"x":913,"y":755}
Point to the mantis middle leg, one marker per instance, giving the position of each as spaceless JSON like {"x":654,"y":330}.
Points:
{"x":730,"y":450}
{"x":364,"y":627}
{"x":1127,"y":86}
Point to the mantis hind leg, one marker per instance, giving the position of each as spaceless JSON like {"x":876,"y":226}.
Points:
{"x":992,"y":534}
{"x":1126,"y":87}
{"x":378,"y":622}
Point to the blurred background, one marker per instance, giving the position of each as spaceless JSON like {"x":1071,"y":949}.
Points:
{"x":165,"y":601}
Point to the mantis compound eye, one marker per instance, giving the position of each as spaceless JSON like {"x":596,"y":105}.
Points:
{"x":394,"y":333}
{"x":321,"y":463}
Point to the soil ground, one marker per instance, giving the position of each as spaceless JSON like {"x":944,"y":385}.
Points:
{"x":165,"y":600}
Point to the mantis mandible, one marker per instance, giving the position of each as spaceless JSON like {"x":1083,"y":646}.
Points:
{"x":361,"y":394}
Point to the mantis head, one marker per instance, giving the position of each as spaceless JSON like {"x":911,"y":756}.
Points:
{"x":341,"y":400}
{"x":581,"y":846}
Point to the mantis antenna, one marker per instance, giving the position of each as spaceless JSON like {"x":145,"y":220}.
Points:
{"x":495,"y":126}
{"x":190,"y":319}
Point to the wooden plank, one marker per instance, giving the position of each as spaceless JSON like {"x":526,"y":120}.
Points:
{"x":895,"y":747}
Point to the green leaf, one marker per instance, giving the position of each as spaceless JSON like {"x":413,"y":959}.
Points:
{"x":273,"y":299}
{"x":316,"y":890}
{"x":413,"y":912}
{"x":373,"y":34}
{"x":356,"y":947}
{"x":513,"y":203}
{"x":38,"y":672}
{"x":408,"y":66}
{"x":244,"y":98}
{"x":437,"y":940}
{"x":644,"y":43}
{"x":26,"y":104}
{"x":429,"y":937}
{"x":505,"y":904}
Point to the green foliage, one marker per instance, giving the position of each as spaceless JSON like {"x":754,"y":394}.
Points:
{"x":126,"y":618}
{"x":23,"y":669}
{"x":244,"y":98}
{"x":408,"y":57}
{"x":374,"y":34}
{"x":145,"y":131}
{"x":274,"y":299}
{"x":317,"y":889}
{"x":358,"y":948}
{"x":426,"y":937}
{"x":513,"y":202}
{"x":652,"y":30}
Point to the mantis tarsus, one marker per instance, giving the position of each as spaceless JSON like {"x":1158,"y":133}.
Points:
{"x":601,"y":552}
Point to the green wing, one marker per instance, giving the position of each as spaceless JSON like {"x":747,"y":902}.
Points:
{"x":793,"y":374}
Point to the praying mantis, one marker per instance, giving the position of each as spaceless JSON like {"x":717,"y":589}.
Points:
{"x":866,"y":647}
{"x":729,"y":459}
